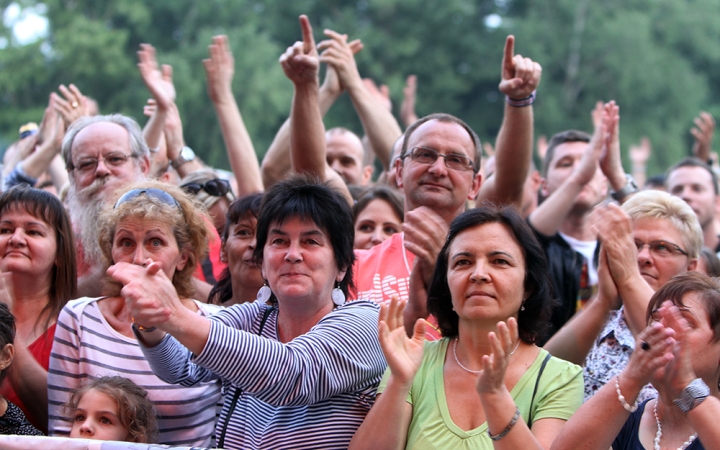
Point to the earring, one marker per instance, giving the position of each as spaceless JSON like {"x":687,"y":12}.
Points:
{"x":223,"y":258}
{"x":264,"y":293}
{"x":338,"y":296}
{"x":522,"y":307}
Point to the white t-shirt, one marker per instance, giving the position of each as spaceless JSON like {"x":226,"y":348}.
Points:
{"x":587,"y":249}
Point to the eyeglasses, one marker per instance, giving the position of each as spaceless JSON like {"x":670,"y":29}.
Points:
{"x":157,"y":194}
{"x":661,"y":248}
{"x":216,"y":187}
{"x":86,"y":166}
{"x":452,"y":160}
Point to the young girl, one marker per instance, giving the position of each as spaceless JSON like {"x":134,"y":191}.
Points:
{"x":12,"y":419}
{"x":112,"y":409}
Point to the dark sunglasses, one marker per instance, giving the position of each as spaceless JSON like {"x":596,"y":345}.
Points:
{"x":216,"y":187}
{"x":157,"y":194}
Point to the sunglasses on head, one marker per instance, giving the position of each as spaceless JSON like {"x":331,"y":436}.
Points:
{"x":216,"y":187}
{"x":157,"y":194}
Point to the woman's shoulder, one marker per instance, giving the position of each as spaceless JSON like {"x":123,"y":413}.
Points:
{"x":75,"y":308}
{"x":557,"y":365}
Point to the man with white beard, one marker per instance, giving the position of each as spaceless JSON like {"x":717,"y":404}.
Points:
{"x":102,"y":154}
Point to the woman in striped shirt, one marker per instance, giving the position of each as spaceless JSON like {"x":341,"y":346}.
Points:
{"x":300,"y":367}
{"x":151,"y":222}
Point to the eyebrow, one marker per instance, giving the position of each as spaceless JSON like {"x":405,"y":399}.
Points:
{"x":41,"y":224}
{"x":493,"y":253}
{"x":303,"y":234}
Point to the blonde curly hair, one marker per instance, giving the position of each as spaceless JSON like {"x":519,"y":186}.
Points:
{"x":189,"y":223}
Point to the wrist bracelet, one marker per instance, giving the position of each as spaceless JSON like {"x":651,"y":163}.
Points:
{"x":628,"y":407}
{"x":507,"y":429}
{"x":142,"y":328}
{"x":519,"y":103}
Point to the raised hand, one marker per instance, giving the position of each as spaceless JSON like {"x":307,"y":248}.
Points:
{"x":340,"y":54}
{"x":614,"y":229}
{"x":607,"y":290}
{"x":610,"y":161}
{"x":492,"y":376}
{"x":643,"y":364}
{"x":403,"y":354}
{"x":72,"y":105}
{"x":678,"y":372}
{"x":639,"y":154}
{"x":300,"y":61}
{"x":425,"y":232}
{"x":519,"y":76}
{"x":584,"y":172}
{"x":407,"y":107}
{"x":381,"y":93}
{"x":220,"y":69}
{"x":159,"y":82}
{"x":703,"y":132}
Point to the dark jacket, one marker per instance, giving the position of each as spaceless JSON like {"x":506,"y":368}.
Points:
{"x":565,"y":269}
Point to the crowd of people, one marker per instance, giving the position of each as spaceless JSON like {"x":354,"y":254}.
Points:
{"x":463,"y":299}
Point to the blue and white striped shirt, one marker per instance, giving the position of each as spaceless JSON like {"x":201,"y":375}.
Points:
{"x":312,"y":392}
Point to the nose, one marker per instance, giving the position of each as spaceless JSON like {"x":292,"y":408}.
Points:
{"x":139,"y":256}
{"x":479,"y":274}
{"x":438,"y":168}
{"x":253,"y":244}
{"x":644,"y":255}
{"x":87,"y":429}
{"x":377,"y":236}
{"x":102,"y":169}
{"x":18,"y":237}
{"x":293,"y":253}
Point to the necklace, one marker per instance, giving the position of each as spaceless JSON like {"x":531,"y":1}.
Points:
{"x":658,"y":435}
{"x":470,"y":370}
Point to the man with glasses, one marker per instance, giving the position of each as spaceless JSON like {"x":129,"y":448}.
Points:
{"x":438,"y":171}
{"x":102,"y":154}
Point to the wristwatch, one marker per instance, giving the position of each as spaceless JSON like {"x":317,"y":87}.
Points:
{"x":630,"y":188}
{"x":186,"y":155}
{"x":694,"y":394}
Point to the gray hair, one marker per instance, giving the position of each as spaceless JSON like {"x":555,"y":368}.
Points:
{"x":138,"y":147}
{"x":652,"y":204}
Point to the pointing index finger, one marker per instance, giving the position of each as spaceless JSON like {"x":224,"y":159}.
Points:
{"x":509,"y":50}
{"x":307,"y":34}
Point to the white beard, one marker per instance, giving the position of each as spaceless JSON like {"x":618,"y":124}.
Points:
{"x":85,"y":206}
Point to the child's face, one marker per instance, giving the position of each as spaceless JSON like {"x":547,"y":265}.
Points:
{"x":96,"y":417}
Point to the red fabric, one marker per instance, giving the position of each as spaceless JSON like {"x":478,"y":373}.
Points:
{"x":40,"y":349}
{"x":215,"y":246}
{"x":380,"y":272}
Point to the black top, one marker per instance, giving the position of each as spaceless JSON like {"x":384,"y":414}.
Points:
{"x":14,"y":422}
{"x":628,"y":437}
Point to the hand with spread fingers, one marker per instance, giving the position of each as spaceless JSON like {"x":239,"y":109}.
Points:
{"x":494,"y":365}
{"x":703,"y":132}
{"x":339,"y":53}
{"x":219,"y":69}
{"x":72,"y":105}
{"x":403,"y":354}
{"x":157,"y":79}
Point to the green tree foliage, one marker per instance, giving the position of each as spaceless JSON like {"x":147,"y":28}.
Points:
{"x":659,"y":59}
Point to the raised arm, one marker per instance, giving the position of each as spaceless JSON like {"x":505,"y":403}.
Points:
{"x":387,"y":423}
{"x":49,"y":141}
{"x":381,"y":128}
{"x":220,"y":69}
{"x":307,"y":132}
{"x":514,"y":145}
{"x":703,"y":133}
{"x":407,"y":107}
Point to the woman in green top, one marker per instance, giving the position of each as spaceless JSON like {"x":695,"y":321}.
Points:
{"x":486,"y":384}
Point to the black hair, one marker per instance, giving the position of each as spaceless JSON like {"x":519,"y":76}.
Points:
{"x":7,"y":332}
{"x":308,"y":198}
{"x":242,"y":208}
{"x":534,"y":320}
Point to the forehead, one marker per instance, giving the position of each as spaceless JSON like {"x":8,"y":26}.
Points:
{"x":651,"y":229}
{"x":342,"y":143}
{"x":295,"y":224}
{"x":486,"y":237}
{"x":573,"y":150}
{"x":689,"y":175}
{"x":444,"y":136}
{"x":144,"y":224}
{"x":101,"y":138}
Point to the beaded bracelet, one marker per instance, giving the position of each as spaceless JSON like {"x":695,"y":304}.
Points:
{"x":628,"y":407}
{"x":518,"y":103}
{"x":507,"y":429}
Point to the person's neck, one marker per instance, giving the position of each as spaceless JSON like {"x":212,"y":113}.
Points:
{"x":576,"y":225}
{"x":242,"y":292}
{"x":473,"y":344}
{"x":710,"y":236}
{"x":294,"y":322}
{"x":30,"y":298}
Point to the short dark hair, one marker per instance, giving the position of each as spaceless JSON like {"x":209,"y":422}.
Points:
{"x":391,"y":197}
{"x":308,"y":198}
{"x":680,"y":285}
{"x":7,"y":332}
{"x":561,"y":138}
{"x":534,"y":320}
{"x":447,"y":118}
{"x":691,"y":161}
{"x":48,"y":208}
{"x":242,"y":208}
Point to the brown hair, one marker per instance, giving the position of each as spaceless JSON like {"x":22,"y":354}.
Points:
{"x":675,"y":290}
{"x":135,"y":410}
{"x":188,"y":221}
